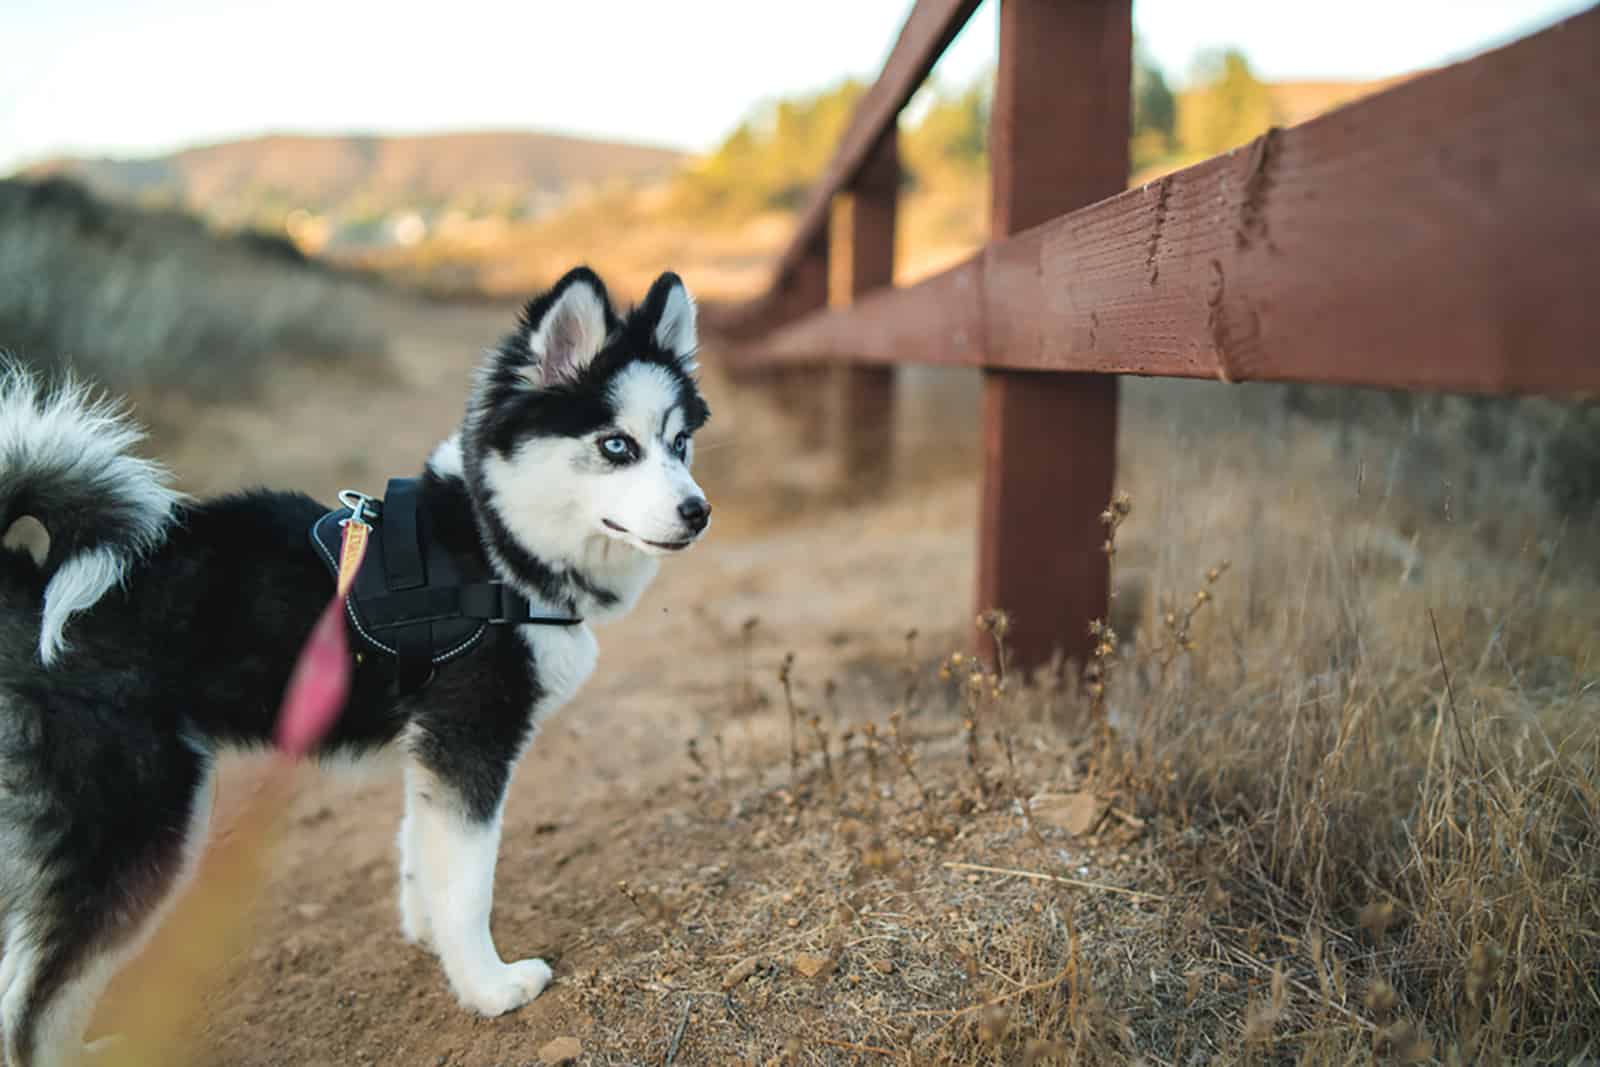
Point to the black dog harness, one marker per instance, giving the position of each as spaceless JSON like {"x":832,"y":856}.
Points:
{"x":411,"y":601}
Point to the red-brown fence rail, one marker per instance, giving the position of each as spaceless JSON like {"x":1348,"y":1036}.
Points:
{"x":1444,"y":234}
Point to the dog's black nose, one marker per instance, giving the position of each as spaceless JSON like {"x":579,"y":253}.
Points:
{"x":695,"y":513}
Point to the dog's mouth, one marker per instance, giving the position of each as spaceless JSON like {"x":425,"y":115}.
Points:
{"x":665,"y":546}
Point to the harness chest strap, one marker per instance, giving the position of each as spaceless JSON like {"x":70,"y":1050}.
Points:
{"x":412,"y":603}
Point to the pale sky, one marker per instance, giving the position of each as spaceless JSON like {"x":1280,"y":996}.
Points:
{"x":139,"y":77}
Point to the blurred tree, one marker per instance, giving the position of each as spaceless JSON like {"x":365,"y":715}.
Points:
{"x":951,"y":139}
{"x":1228,"y":106}
{"x":1155,"y":112}
{"x":770,"y":160}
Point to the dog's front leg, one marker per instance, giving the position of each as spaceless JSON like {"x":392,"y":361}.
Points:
{"x":415,"y":923}
{"x":451,"y":859}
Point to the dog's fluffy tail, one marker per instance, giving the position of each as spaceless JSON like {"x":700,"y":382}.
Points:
{"x":72,"y":496}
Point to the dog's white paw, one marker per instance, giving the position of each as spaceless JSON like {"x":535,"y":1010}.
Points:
{"x":512,"y":987}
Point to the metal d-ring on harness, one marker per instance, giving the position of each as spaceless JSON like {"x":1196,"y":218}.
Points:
{"x":411,"y":599}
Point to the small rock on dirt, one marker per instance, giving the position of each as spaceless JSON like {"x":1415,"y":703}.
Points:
{"x":560,"y":1050}
{"x":1077,"y":813}
{"x":810,"y":966}
{"x":740,"y":971}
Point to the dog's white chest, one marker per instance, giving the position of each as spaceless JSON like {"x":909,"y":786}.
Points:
{"x":563,"y":659}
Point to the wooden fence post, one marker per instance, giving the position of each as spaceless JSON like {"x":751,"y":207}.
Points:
{"x":1058,"y":141}
{"x":865,"y":408}
{"x":804,"y":388}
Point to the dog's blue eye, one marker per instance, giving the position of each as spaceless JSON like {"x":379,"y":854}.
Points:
{"x":680,"y":445}
{"x":618,"y":448}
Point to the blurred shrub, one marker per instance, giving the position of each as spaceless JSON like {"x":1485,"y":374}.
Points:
{"x":1572,"y":461}
{"x":1550,"y":443}
{"x":1228,"y":106}
{"x":950,"y":142}
{"x":770,"y":161}
{"x":143,"y":301}
{"x":1155,"y":113}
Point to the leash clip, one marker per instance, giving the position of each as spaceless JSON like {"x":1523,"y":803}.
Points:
{"x":360,"y":505}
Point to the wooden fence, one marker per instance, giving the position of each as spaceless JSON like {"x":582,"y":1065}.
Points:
{"x":1441,"y":235}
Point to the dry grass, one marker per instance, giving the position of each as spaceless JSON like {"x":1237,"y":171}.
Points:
{"x":1335,"y":803}
{"x":153,"y":303}
{"x":1241,"y":889}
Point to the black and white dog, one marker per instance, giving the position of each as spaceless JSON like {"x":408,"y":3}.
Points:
{"x":142,"y":632}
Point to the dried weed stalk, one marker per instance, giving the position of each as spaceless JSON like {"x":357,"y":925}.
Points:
{"x":785,"y":678}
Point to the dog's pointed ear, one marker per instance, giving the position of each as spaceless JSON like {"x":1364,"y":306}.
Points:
{"x":670,"y":311}
{"x":566,"y":327}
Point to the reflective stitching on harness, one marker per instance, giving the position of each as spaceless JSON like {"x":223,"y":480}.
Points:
{"x":350,"y":609}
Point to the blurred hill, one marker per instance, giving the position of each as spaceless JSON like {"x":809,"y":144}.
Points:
{"x":341,"y":192}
